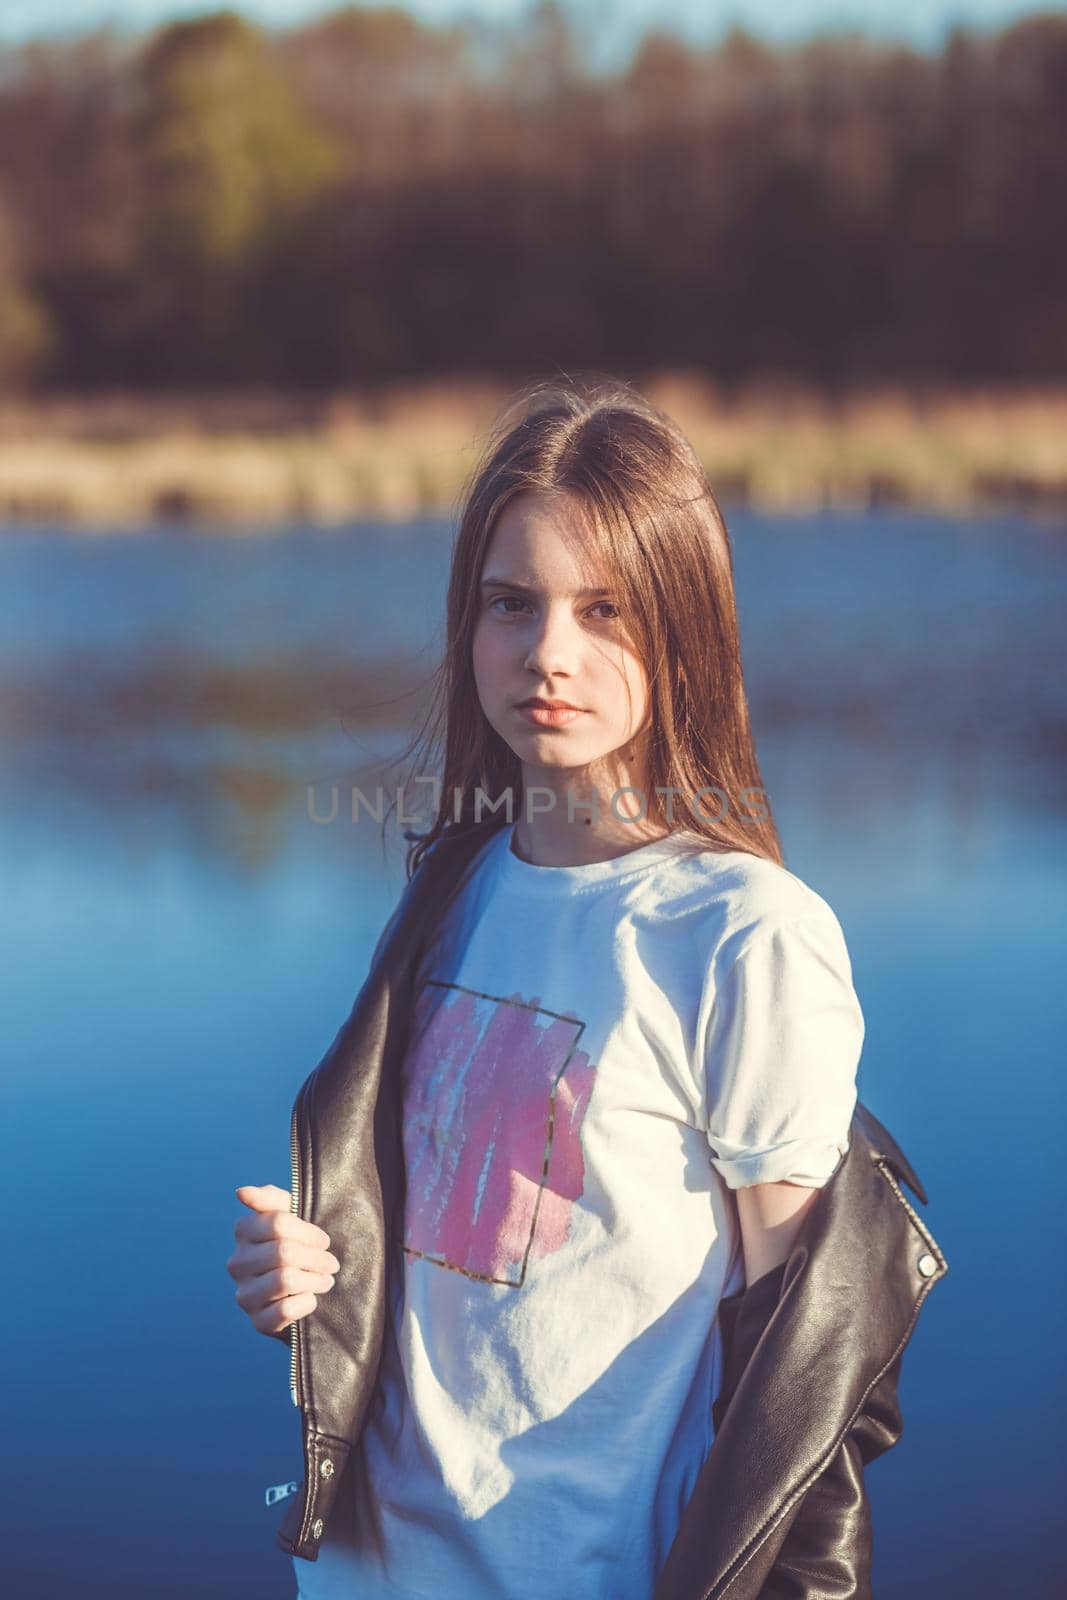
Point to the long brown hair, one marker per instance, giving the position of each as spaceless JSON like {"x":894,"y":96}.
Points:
{"x":657,"y":526}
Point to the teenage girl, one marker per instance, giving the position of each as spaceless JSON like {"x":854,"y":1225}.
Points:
{"x":633,"y":1060}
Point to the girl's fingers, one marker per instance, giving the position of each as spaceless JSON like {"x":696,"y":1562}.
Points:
{"x":281,"y":1313}
{"x":282,"y":1264}
{"x":255,"y":1294}
{"x":269,"y":1217}
{"x":264,"y":1197}
{"x":251,"y":1259}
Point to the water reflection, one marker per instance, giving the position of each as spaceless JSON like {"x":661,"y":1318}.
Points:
{"x":207,"y":674}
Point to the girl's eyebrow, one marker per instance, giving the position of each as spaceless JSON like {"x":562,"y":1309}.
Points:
{"x":523,"y":588}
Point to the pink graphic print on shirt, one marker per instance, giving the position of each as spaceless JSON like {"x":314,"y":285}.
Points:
{"x":495,"y":1093}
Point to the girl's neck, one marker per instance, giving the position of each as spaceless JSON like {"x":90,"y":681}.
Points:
{"x":552,"y":839}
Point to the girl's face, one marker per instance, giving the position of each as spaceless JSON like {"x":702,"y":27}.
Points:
{"x":541,"y":633}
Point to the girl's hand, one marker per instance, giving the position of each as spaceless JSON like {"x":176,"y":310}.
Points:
{"x":281,"y":1263}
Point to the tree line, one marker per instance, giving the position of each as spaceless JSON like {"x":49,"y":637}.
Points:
{"x":369,"y":197}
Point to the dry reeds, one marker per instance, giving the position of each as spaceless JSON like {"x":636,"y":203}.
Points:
{"x":123,"y":461}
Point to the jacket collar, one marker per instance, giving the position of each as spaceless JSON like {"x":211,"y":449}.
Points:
{"x":883,"y":1147}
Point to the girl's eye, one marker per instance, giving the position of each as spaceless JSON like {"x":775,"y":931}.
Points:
{"x":515,"y":599}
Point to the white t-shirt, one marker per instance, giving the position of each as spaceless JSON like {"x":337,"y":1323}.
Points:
{"x":600,"y":1054}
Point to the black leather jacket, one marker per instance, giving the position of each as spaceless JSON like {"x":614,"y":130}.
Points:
{"x":812,"y":1351}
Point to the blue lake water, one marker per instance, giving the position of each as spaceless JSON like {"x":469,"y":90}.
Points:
{"x":180,"y":942}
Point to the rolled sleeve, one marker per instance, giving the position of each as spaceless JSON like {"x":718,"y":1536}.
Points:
{"x":784,"y":1040}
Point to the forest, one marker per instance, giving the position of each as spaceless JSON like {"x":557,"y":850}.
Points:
{"x":368,"y":198}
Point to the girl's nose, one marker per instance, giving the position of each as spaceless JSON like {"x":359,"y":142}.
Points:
{"x":553,"y":647}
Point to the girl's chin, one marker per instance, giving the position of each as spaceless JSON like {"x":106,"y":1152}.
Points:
{"x":551,"y":759}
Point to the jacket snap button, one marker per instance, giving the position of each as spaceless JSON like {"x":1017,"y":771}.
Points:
{"x":326,"y":1468}
{"x":927,"y":1265}
{"x":316,"y":1528}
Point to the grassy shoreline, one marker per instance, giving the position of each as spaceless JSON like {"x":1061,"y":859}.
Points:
{"x":394,"y":453}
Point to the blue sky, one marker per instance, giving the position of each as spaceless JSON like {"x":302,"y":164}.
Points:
{"x":923,"y":22}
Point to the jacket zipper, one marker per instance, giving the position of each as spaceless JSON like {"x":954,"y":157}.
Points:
{"x":281,"y":1491}
{"x":294,"y":1206}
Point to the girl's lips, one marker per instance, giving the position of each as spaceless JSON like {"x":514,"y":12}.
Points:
{"x":549,"y":717}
